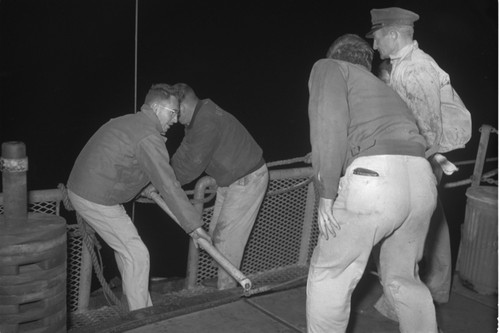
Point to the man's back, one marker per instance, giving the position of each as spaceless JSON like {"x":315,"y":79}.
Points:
{"x":218,"y":144}
{"x":107,"y":170}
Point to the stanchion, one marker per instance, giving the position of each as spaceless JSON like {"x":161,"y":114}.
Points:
{"x":32,"y":256}
{"x":245,"y":282}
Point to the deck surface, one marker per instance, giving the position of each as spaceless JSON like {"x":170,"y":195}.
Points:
{"x":284,"y":311}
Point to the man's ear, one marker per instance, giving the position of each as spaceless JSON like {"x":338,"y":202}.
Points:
{"x":154,"y":106}
{"x":393,"y":34}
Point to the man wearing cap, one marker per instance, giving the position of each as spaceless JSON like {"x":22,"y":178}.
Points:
{"x":417,"y":78}
{"x":374,"y":184}
{"x":118,"y":161}
{"x":217,"y":144}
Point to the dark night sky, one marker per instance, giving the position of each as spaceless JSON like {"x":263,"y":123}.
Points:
{"x":68,"y":66}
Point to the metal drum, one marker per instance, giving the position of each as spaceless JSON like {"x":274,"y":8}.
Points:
{"x":33,"y":275}
{"x":478,"y":256}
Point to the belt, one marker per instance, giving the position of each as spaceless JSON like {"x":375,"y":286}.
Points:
{"x":388,"y":147}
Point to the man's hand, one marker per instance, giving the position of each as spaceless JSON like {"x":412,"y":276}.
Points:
{"x":148,"y":190}
{"x":200,"y":233}
{"x":326,"y":222}
{"x":308,"y":158}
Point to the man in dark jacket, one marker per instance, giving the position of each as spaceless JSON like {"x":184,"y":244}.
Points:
{"x":118,"y":161}
{"x":375,"y":185}
{"x":216,"y":143}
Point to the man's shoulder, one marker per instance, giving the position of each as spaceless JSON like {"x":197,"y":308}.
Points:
{"x":417,"y":57}
{"x":328,"y":62}
{"x":330,"y":66}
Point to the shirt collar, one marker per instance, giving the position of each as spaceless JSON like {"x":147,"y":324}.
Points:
{"x":148,"y":111}
{"x":404,"y":51}
{"x":195,"y":112}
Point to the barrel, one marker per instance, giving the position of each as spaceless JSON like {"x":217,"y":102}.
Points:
{"x":478,"y":257}
{"x":33,"y":275}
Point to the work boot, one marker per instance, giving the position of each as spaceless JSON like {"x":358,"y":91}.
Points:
{"x":385,"y":309}
{"x":221,"y":283}
{"x":210,"y":283}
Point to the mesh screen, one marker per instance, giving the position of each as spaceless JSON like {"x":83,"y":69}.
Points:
{"x":47,"y":207}
{"x":74,"y":261}
{"x":277,"y":233}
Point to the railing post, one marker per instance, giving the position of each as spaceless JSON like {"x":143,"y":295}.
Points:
{"x":481,"y":154}
{"x":14,"y":167}
{"x":193,"y":252}
{"x":85,"y":280}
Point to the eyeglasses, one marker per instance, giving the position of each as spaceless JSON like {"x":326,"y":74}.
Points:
{"x":175,"y":112}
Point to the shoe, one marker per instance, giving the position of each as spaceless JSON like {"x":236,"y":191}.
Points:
{"x":210,"y":283}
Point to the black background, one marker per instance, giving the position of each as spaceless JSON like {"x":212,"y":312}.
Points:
{"x":68,"y":66}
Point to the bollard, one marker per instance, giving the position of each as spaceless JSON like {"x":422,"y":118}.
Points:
{"x":14,"y":165}
{"x":32,"y":256}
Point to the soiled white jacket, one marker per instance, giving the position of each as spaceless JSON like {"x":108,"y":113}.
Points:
{"x":418,"y":79}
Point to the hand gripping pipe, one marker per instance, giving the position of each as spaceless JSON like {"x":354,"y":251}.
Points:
{"x":245,"y":282}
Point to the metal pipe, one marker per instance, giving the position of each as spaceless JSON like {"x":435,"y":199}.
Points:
{"x":209,"y":248}
{"x":481,"y":153}
{"x":193,"y":253}
{"x":14,"y":166}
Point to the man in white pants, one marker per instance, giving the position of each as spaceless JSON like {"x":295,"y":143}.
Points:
{"x":118,"y":161}
{"x":375,"y":186}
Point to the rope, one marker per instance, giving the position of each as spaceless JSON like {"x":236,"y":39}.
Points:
{"x":213,"y":191}
{"x":291,"y":188}
{"x":305,"y":159}
{"x":90,"y":241}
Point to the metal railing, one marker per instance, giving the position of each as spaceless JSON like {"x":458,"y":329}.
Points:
{"x":284,"y":233}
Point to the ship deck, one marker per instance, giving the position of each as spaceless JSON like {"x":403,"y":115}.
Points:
{"x":282,"y":309}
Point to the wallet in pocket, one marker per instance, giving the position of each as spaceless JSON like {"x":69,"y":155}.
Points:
{"x":365,"y":172}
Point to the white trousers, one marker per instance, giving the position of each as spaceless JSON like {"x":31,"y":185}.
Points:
{"x":394,"y":208}
{"x":236,"y":208}
{"x":132,"y":257}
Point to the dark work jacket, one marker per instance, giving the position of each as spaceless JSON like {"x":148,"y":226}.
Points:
{"x":121,"y":158}
{"x":352,"y":113}
{"x":216,"y":143}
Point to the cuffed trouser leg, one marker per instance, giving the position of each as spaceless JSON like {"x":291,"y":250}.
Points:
{"x":235,"y":211}
{"x":117,"y":229}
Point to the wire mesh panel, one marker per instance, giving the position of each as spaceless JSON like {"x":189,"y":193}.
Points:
{"x":315,"y":229}
{"x":74,"y":264}
{"x":276,"y":237}
{"x":206,"y":266}
{"x":46,"y":207}
{"x":278,"y":232}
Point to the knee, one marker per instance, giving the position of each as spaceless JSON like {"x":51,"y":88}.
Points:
{"x":140,"y":253}
{"x":402,"y":287}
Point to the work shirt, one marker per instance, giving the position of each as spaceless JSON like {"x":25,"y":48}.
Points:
{"x":121,"y":158}
{"x":352,"y":113}
{"x":216,"y":143}
{"x":418,"y":79}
